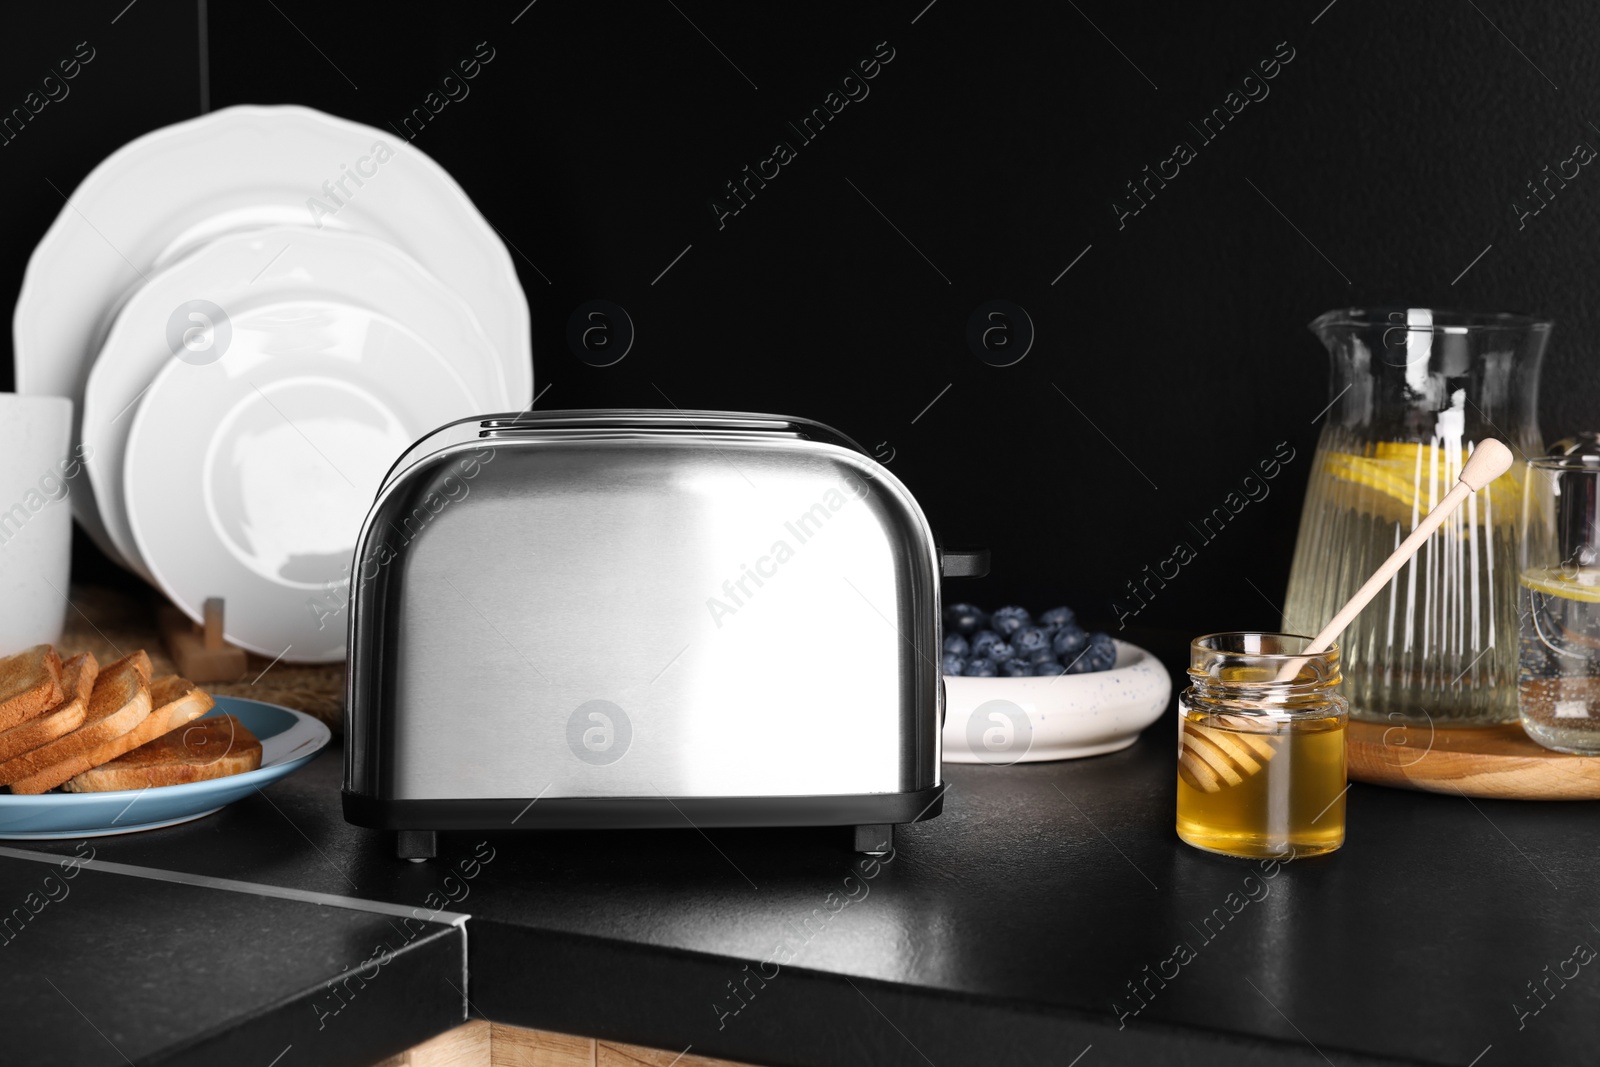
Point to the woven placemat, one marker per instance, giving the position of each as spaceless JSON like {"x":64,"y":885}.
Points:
{"x":112,"y":623}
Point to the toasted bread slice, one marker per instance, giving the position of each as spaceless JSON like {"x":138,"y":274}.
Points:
{"x":209,"y":748}
{"x":77,"y":681}
{"x":177,"y":701}
{"x":119,"y":701}
{"x":139,"y":660}
{"x":30,"y":683}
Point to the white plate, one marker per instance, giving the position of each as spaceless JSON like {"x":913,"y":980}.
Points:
{"x":249,"y":478}
{"x":1001,"y":721}
{"x":289,"y":740}
{"x":242,"y":168}
{"x":363,"y":283}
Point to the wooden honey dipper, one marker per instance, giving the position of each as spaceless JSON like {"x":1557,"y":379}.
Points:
{"x":1209,"y":758}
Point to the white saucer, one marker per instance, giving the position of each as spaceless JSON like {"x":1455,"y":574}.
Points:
{"x":351,"y":277}
{"x":237,"y":169}
{"x":1001,"y":721}
{"x":249,"y":478}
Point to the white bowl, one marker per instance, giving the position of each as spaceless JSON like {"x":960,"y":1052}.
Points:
{"x":1001,"y":721}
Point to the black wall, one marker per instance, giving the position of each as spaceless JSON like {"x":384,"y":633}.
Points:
{"x":1168,"y":360}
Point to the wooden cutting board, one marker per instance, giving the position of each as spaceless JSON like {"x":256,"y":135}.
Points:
{"x":1478,"y":761}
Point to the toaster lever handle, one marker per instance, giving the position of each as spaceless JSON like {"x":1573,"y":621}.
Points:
{"x":964,"y":562}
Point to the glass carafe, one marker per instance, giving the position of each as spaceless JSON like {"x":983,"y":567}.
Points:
{"x":1412,"y":391}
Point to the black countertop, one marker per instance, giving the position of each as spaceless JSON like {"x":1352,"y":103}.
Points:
{"x":107,"y":966}
{"x":1041,"y":914}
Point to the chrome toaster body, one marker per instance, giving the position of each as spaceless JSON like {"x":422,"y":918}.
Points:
{"x":630,"y":618}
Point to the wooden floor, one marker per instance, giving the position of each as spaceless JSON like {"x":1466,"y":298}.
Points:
{"x":484,"y":1044}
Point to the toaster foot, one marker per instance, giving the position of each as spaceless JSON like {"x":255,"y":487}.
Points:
{"x":875,"y":839}
{"x":417,"y":845}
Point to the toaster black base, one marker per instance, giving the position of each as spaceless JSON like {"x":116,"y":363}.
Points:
{"x":643,"y":813}
{"x":876,"y":839}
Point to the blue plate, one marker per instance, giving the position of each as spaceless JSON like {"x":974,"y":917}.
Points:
{"x":289,"y":740}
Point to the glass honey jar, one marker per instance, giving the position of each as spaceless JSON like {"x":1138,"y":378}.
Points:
{"x":1261,"y":761}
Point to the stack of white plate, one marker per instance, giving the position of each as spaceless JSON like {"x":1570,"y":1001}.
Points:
{"x":256,"y":312}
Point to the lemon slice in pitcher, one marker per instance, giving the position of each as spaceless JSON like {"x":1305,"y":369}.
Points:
{"x":1391,"y":478}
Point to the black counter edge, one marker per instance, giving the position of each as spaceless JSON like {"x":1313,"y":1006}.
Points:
{"x":650,"y":995}
{"x":352,"y":1019}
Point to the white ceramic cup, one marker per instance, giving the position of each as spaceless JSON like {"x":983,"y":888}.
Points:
{"x":37,"y":472}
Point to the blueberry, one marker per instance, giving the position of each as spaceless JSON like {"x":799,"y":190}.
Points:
{"x":953,"y":664}
{"x":1000,"y":652}
{"x":1007,"y":621}
{"x":1046,"y":667}
{"x":1044,"y":655}
{"x":1102,"y":654}
{"x":1080,"y":664}
{"x":981,"y":668}
{"x":1068,"y":642}
{"x":1016,"y":668}
{"x":1056,"y":618}
{"x":1028,"y":640}
{"x":965,"y":619}
{"x":957,"y":644}
{"x":983,"y":640}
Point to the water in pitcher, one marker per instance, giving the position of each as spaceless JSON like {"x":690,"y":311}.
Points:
{"x":1440,"y":643}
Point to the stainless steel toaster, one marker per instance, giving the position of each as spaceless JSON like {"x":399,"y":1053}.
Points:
{"x":589,"y":619}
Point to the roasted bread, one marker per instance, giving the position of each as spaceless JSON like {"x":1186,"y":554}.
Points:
{"x":177,"y":701}
{"x":78,"y":675}
{"x":139,"y":661}
{"x":30,"y":683}
{"x":119,"y":701}
{"x":209,"y":748}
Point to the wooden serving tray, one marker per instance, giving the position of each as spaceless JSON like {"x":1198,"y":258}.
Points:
{"x":1475,"y":761}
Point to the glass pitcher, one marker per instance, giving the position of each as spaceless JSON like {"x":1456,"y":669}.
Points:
{"x":1412,"y":391}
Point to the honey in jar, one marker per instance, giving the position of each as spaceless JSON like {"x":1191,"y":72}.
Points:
{"x":1261,"y":762}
